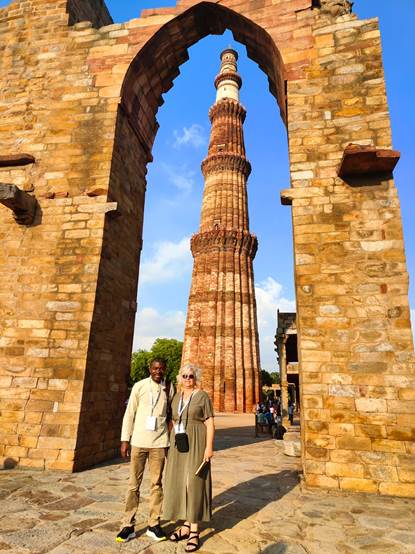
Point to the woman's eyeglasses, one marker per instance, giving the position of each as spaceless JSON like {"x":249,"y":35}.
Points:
{"x":188,"y":376}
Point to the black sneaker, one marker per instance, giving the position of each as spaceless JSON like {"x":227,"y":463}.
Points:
{"x":126,"y":534}
{"x":156,"y":533}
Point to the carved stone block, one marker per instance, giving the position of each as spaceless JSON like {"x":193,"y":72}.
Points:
{"x":13,"y":160}
{"x":336,"y":8}
{"x":20,"y":202}
{"x":367,"y":160}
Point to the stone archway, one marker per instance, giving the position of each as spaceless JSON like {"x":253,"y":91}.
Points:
{"x":63,"y":371}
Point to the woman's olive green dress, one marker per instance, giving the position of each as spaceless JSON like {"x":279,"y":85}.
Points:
{"x":187,"y":496}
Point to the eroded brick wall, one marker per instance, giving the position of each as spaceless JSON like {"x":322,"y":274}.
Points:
{"x":356,"y":341}
{"x":50,"y":270}
{"x":111,"y":335}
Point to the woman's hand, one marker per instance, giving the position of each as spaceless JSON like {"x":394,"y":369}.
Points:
{"x":208,"y":454}
{"x":210,"y":432}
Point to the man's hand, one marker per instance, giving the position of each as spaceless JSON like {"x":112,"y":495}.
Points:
{"x":125,"y":449}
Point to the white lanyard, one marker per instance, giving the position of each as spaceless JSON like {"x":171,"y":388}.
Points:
{"x":152,"y":401}
{"x":183,"y":407}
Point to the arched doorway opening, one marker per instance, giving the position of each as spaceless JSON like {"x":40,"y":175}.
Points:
{"x":174,"y":200}
{"x":135,"y":95}
{"x":149,"y":76}
{"x":140,"y":101}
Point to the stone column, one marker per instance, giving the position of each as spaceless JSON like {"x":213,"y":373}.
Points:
{"x":284,"y":380}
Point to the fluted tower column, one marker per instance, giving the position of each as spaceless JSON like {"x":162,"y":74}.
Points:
{"x":221,"y":330}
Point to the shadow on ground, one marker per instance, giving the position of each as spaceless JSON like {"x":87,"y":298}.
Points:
{"x":247,"y":498}
{"x":237,"y":436}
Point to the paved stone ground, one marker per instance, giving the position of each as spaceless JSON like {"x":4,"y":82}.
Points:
{"x":259,"y":507}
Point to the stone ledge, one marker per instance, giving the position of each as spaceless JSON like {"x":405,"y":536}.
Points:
{"x":224,"y":239}
{"x":13,"y":160}
{"x":224,"y":161}
{"x":367,"y":160}
{"x":20,"y":202}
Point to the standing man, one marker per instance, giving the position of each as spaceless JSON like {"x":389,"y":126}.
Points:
{"x":145,"y":436}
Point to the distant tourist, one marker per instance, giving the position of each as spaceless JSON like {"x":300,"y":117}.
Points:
{"x":188,"y":492}
{"x":144,"y":436}
{"x":279,"y":429}
{"x":270,"y":419}
{"x":261,"y":419}
{"x":291,"y":412}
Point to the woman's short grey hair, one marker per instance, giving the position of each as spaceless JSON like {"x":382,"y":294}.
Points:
{"x":190,"y":368}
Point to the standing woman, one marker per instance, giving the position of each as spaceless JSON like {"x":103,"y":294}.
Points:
{"x":188,"y":496}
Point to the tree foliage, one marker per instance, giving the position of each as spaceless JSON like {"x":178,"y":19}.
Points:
{"x":168,"y":349}
{"x":171,"y":351}
{"x":266,"y":378}
{"x":276,"y":378}
{"x":140,"y":365}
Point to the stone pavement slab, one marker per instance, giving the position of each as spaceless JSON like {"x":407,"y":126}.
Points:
{"x":259,"y":504}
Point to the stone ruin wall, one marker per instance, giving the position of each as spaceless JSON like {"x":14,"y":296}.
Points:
{"x":68,"y":282}
{"x":94,"y":11}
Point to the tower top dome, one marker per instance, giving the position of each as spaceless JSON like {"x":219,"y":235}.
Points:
{"x":230,"y":52}
{"x":228,"y":81}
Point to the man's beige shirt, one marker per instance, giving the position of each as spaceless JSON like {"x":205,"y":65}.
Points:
{"x":139,"y":408}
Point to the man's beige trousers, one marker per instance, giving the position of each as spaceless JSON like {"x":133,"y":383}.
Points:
{"x":156,"y":458}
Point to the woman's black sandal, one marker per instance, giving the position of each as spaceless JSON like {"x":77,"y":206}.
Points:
{"x":178,"y":535}
{"x":192,"y":546}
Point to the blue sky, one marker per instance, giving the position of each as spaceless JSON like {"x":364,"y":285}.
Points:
{"x":175,"y":184}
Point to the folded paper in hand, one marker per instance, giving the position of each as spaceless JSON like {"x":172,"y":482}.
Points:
{"x":200,"y":470}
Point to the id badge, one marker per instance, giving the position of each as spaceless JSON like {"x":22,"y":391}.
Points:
{"x":179,"y":428}
{"x":151,"y":423}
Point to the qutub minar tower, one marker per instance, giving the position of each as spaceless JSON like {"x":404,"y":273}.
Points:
{"x":221,"y":330}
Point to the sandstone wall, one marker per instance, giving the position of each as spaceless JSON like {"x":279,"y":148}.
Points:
{"x":355,"y":333}
{"x":68,"y":282}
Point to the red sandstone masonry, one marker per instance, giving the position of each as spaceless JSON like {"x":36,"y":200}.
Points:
{"x":230,"y":340}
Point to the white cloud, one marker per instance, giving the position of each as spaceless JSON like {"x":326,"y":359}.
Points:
{"x":269,"y":298}
{"x":182,"y":178}
{"x":170,"y":261}
{"x":190,"y":136}
{"x":150,"y":324}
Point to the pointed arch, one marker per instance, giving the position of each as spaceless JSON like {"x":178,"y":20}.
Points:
{"x":156,"y":65}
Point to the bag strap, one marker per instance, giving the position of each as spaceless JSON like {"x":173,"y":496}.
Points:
{"x":187,"y":414}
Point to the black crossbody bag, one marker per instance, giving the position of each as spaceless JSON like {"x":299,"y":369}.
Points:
{"x":182,"y":439}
